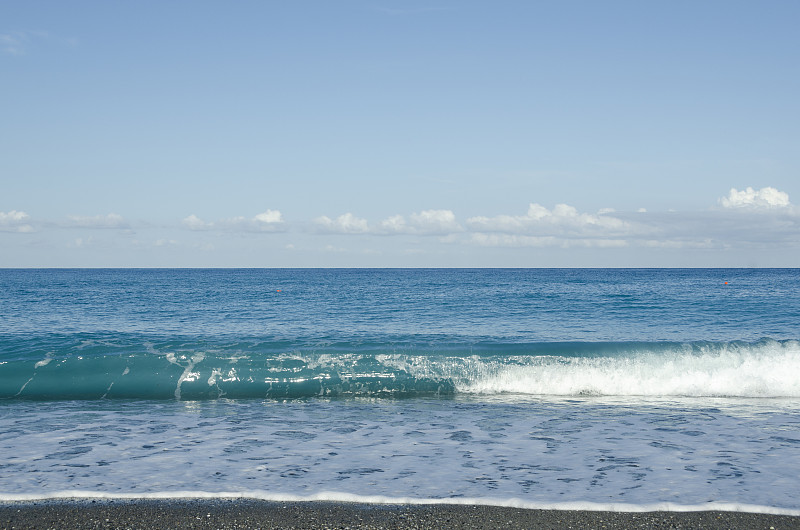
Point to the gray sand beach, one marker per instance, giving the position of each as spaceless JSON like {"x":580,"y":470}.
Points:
{"x":239,"y":513}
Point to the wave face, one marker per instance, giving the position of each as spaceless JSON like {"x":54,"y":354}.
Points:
{"x":130,"y":367}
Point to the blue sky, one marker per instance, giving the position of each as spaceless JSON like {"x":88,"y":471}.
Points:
{"x":399,"y":133}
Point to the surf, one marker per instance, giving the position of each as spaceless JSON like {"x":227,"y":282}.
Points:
{"x":129,"y":367}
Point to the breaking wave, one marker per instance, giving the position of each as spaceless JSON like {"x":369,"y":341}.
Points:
{"x":68,"y":367}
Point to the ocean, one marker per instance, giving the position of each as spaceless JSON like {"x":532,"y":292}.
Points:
{"x":626,"y":389}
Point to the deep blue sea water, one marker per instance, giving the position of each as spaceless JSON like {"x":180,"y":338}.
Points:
{"x":536,"y":387}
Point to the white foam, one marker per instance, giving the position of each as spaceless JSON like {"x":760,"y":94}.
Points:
{"x":767,"y":371}
{"x":332,"y":496}
{"x":685,"y":451}
{"x":188,"y":374}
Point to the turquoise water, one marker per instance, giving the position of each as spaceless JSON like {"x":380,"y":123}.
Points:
{"x":530,"y":386}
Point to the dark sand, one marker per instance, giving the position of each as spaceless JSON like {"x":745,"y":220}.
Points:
{"x":239,"y":513}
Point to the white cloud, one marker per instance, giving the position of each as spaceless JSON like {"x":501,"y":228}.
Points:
{"x":15,"y":221}
{"x":768,"y":197}
{"x":111,"y":220}
{"x":395,"y":224}
{"x":435,"y":221}
{"x":563,"y":220}
{"x":12,"y":216}
{"x":193,"y":222}
{"x":269,"y":217}
{"x":344,"y":224}
{"x":268,"y":221}
{"x":426,"y":222}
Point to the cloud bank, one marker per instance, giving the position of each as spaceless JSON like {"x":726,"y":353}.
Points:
{"x":750,"y":219}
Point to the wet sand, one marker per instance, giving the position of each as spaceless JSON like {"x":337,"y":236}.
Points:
{"x":241,"y":513}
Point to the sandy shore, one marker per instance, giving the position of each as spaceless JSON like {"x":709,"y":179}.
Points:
{"x":239,"y":513}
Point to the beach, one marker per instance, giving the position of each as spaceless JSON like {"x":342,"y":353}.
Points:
{"x":239,"y":513}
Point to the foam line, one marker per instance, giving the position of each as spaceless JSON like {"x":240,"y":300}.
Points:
{"x":379,"y":499}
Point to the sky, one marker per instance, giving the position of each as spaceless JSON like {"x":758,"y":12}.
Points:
{"x":372,"y":133}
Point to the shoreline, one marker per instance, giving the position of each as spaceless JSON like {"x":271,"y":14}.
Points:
{"x":84,"y":513}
